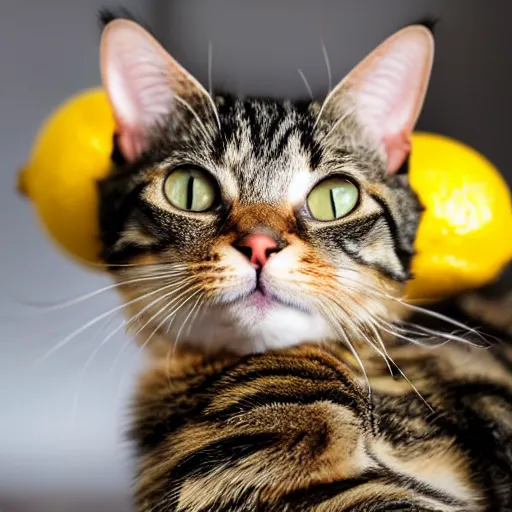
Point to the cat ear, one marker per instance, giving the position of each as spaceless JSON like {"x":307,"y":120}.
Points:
{"x":387,"y":90}
{"x":143,"y":83}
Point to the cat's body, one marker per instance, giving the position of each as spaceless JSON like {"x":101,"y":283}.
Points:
{"x":239,"y":227}
{"x":297,"y":430}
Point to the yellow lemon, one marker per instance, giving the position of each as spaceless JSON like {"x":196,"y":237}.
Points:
{"x":71,"y":152}
{"x":465,"y":234}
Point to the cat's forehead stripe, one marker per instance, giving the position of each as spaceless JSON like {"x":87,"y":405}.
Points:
{"x":267,"y":150}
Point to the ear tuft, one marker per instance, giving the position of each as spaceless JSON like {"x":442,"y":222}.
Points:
{"x":106,"y":15}
{"x":429,"y":22}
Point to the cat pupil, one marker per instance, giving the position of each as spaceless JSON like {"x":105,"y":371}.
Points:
{"x":333,"y":203}
{"x":190,"y":192}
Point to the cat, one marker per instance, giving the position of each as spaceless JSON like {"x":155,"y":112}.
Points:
{"x":261,"y":247}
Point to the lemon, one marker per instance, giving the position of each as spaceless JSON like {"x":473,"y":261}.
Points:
{"x":71,"y":152}
{"x":464,"y":237}
{"x":465,"y":234}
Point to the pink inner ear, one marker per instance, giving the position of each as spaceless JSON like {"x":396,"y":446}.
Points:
{"x":388,"y":88}
{"x":397,"y":146}
{"x":131,"y":142}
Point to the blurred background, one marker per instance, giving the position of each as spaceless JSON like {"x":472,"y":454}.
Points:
{"x":63,"y":410}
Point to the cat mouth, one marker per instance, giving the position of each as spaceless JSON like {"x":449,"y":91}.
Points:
{"x":263,"y":298}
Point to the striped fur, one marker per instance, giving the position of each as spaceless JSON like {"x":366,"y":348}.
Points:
{"x":298,"y":430}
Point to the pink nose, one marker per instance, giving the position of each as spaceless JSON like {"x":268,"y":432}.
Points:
{"x":258,"y":248}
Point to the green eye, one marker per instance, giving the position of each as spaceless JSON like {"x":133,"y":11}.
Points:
{"x":332,"y":199}
{"x":190,"y":189}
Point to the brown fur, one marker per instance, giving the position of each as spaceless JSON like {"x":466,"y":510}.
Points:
{"x":299,"y":430}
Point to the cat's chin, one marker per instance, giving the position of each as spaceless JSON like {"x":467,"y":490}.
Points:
{"x":253,"y":325}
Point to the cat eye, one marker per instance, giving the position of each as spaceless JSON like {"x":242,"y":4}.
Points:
{"x":332,"y":198}
{"x":191,"y":189}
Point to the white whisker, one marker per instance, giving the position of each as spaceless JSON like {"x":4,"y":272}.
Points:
{"x":156,"y":301}
{"x":439,"y":316}
{"x":210,"y":66}
{"x":137,"y":315}
{"x":89,"y":295}
{"x":196,"y":116}
{"x":176,"y":341}
{"x":337,"y":325}
{"x":336,"y":124}
{"x":94,"y":321}
{"x":157,"y":328}
{"x":388,"y":358}
{"x":88,"y":363}
{"x":304,"y":79}
{"x":328,"y":65}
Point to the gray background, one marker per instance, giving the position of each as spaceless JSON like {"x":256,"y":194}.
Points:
{"x":61,"y":442}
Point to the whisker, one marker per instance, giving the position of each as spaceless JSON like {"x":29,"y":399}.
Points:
{"x":210,"y":86}
{"x":370,"y":289}
{"x":89,"y":295}
{"x":304,"y":79}
{"x":336,"y":124}
{"x":101,"y":265}
{"x":398,"y":331}
{"x":341,"y":332}
{"x":439,"y":316}
{"x":388,"y":358}
{"x":382,"y":352}
{"x":328,"y":65}
{"x":431,"y":334}
{"x":159,"y":299}
{"x":176,"y":341}
{"x":117,"y":358}
{"x":172,"y":347}
{"x":165,"y":319}
{"x":358,"y":359}
{"x":210,"y":66}
{"x":88,"y":363}
{"x":134,"y":317}
{"x":194,"y":114}
{"x":92,"y":322}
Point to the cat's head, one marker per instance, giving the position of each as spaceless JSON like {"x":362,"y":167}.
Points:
{"x":253,"y":224}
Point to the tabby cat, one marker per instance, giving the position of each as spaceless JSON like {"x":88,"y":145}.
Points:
{"x":261,"y":247}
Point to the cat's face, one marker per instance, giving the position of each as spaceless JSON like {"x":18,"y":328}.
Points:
{"x":253,"y":224}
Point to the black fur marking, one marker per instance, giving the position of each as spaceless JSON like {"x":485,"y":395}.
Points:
{"x":429,"y":22}
{"x":116,"y":157}
{"x":500,"y":287}
{"x":244,"y":501}
{"x":383,"y":505}
{"x":225,"y":452}
{"x":493,"y":447}
{"x":316,"y":494}
{"x":280,"y":145}
{"x":403,"y":255}
{"x":316,"y":375}
{"x":274,"y":125}
{"x":250,"y":402}
{"x":404,"y":168}
{"x":106,"y":15}
{"x":114,"y":212}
